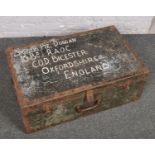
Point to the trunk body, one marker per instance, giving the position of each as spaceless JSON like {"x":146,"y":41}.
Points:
{"x":63,"y":78}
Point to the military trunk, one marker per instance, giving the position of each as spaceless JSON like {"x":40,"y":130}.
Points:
{"x":66,"y":77}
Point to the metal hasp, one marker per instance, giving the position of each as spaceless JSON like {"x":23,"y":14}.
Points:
{"x":62,"y":78}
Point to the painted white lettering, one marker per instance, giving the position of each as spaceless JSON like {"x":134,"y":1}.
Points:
{"x":45,"y":70}
{"x":40,"y":62}
{"x":66,"y":73}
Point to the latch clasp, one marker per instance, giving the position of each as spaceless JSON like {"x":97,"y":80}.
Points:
{"x":89,"y":102}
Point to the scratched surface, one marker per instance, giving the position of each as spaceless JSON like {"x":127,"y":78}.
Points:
{"x":133,"y":120}
{"x":61,"y":64}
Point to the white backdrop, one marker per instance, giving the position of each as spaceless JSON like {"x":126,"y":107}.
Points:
{"x":46,"y":26}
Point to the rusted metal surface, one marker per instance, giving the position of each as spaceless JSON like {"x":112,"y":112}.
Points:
{"x":62,"y":78}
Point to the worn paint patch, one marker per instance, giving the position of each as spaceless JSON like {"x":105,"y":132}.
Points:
{"x":58,"y":114}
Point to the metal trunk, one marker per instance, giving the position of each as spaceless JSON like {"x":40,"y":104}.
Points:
{"x":63,"y":78}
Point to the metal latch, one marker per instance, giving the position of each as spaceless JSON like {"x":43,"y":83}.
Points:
{"x":90,"y":103}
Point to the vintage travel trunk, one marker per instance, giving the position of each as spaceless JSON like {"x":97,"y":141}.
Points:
{"x":63,"y":78}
